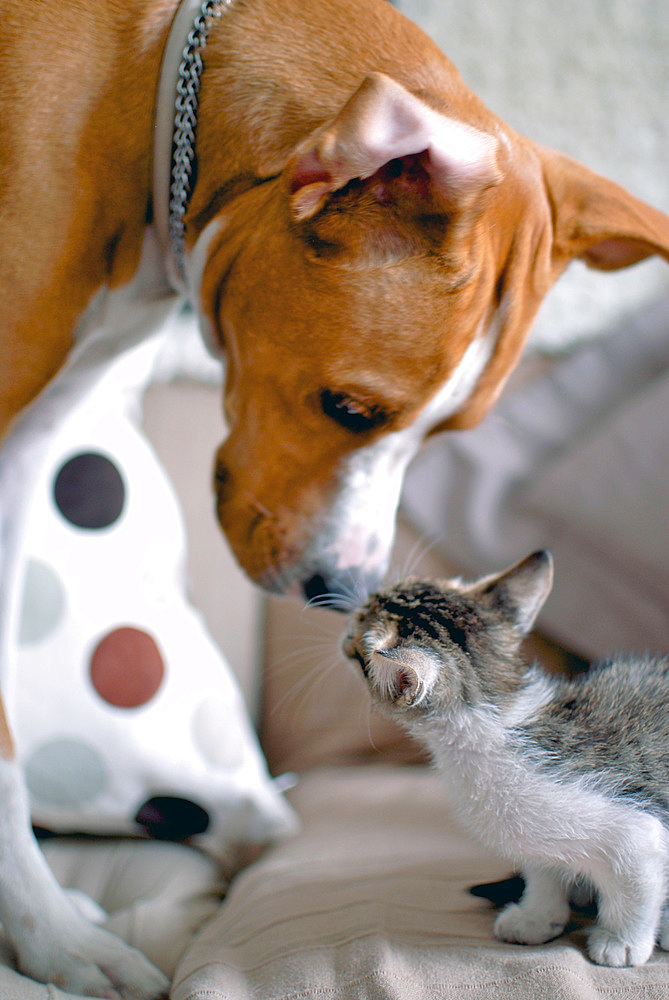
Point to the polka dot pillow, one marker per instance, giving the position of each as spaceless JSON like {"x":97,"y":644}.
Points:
{"x":127,"y":717}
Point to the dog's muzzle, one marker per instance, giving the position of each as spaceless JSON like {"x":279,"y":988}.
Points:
{"x":340,"y":590}
{"x":330,"y":549}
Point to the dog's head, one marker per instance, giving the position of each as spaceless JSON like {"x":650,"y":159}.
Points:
{"x":376,"y":288}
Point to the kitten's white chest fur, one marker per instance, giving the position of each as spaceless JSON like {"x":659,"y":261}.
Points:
{"x":504,"y":795}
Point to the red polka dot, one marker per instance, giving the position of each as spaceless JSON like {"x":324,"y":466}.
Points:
{"x":127,"y":668}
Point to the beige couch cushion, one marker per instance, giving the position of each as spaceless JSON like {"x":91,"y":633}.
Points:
{"x":370,"y":901}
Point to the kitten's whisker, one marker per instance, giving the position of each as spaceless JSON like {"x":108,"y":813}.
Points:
{"x":311,"y":691}
{"x":423,"y":545}
{"x":320,"y":647}
{"x":368,"y":705}
{"x":326,"y":622}
{"x":296,"y":688}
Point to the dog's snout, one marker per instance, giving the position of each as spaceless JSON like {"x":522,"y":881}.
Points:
{"x":282,"y":541}
{"x":328,"y":591}
{"x":341,"y":590}
{"x":316,"y":588}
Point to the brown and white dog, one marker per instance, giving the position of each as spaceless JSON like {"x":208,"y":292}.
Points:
{"x":365,"y":242}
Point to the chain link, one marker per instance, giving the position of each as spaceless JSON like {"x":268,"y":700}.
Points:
{"x":185,"y":124}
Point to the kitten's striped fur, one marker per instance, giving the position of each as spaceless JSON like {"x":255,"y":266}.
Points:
{"x":569,"y":779}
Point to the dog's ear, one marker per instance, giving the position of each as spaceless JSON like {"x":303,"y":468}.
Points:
{"x":386,"y":132}
{"x":598,"y":221}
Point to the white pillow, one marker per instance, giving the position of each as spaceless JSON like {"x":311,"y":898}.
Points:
{"x":127,"y":717}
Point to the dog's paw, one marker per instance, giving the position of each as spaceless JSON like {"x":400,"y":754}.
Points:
{"x":94,"y":963}
{"x":525,"y":925}
{"x":607,"y":948}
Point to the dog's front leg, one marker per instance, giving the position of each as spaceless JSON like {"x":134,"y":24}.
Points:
{"x":52,"y":940}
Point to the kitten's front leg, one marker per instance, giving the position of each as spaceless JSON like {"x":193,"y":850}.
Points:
{"x":541,"y":913}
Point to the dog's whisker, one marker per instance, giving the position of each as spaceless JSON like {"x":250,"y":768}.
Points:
{"x":357,"y":590}
{"x":333,"y":599}
{"x":259,"y":507}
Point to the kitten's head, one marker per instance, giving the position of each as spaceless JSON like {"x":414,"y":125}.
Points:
{"x":426,"y":644}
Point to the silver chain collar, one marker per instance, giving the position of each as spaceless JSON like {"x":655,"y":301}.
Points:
{"x":185,"y":125}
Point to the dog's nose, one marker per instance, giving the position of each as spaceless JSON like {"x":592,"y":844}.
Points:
{"x":326,"y":593}
{"x":342,"y":591}
{"x":318,"y":591}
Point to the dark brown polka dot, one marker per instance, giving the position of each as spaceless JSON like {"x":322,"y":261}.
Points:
{"x":89,"y":491}
{"x":167,"y":817}
{"x":127,"y":668}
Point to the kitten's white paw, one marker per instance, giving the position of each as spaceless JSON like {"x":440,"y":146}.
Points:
{"x":526,"y":925}
{"x":607,"y":948}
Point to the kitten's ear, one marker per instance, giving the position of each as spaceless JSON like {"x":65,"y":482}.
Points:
{"x":520,"y":592}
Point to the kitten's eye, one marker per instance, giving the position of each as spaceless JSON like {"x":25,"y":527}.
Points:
{"x":353,"y":414}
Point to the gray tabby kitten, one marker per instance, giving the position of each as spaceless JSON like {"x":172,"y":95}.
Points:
{"x":568,"y":779}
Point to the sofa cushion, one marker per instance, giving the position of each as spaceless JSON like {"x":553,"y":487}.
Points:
{"x":370,"y":900}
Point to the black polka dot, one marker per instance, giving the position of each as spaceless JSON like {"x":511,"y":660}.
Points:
{"x":89,"y":491}
{"x":167,"y":817}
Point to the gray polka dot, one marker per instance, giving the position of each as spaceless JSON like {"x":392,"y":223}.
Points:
{"x":65,"y":773}
{"x":43,"y":604}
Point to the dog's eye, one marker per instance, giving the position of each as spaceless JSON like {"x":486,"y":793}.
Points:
{"x":353,"y":414}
